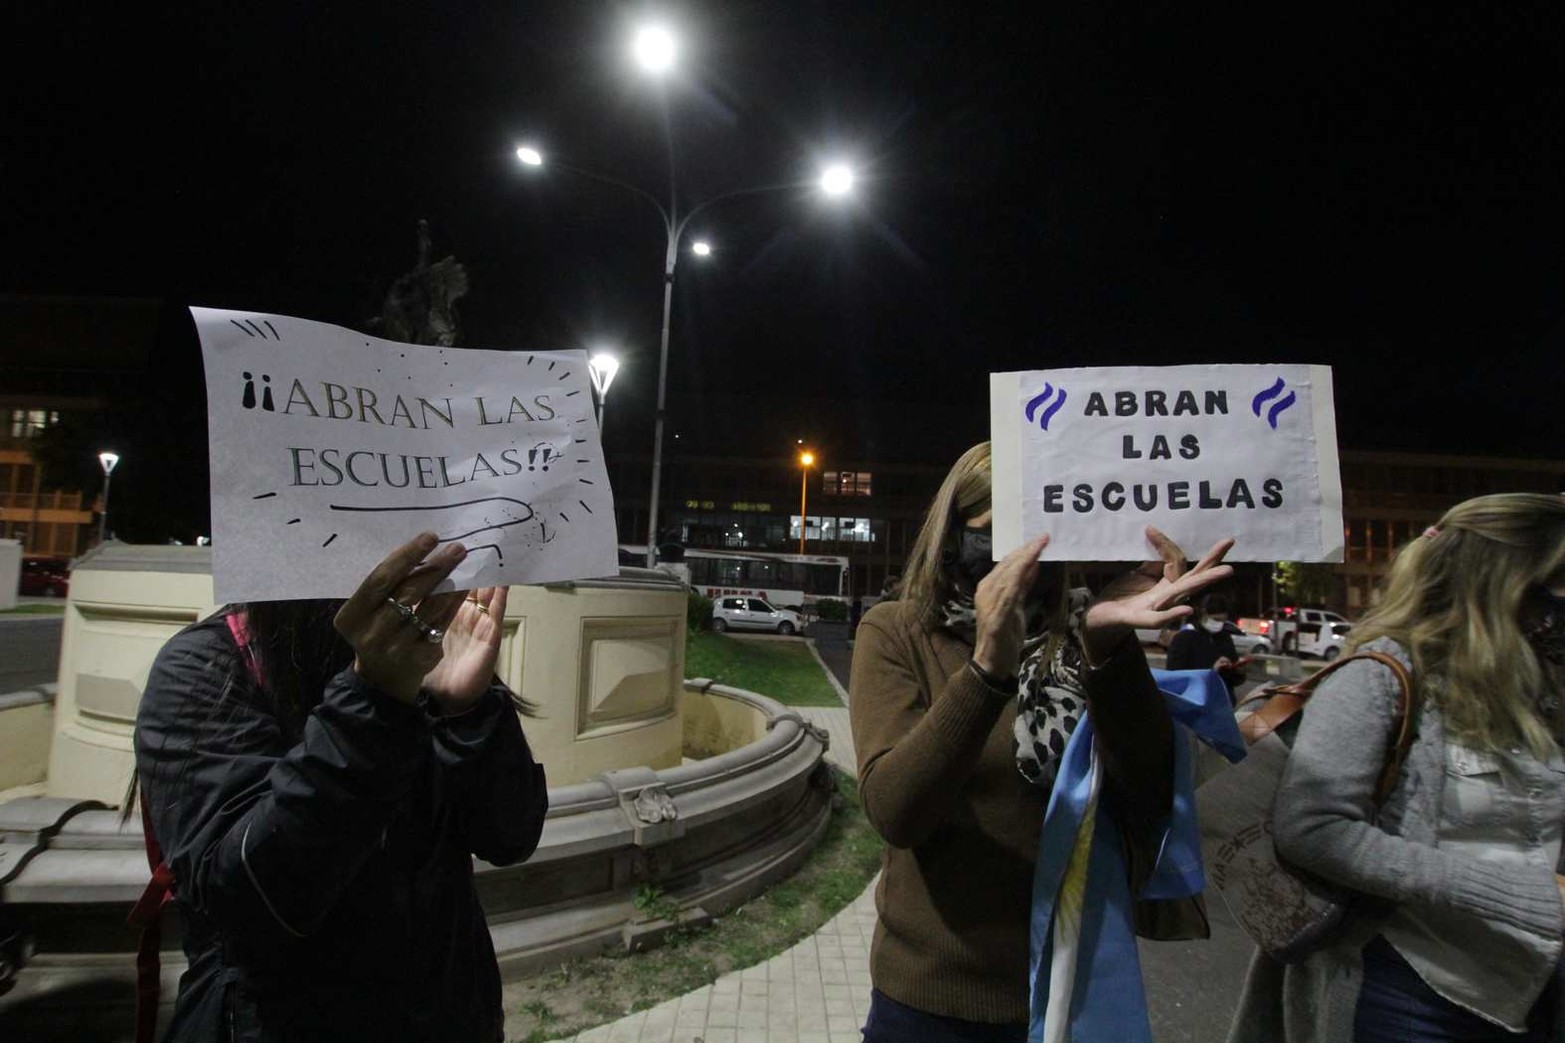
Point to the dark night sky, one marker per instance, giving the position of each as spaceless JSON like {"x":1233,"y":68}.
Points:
{"x":1375,"y":187}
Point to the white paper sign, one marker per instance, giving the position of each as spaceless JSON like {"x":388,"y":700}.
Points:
{"x":1093,"y":456}
{"x":330,"y":448}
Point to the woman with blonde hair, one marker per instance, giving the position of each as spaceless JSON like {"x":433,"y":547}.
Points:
{"x":1457,"y":933}
{"x":962,"y":696}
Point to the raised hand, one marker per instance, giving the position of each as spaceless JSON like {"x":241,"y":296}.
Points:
{"x":998,"y":604}
{"x":391,"y":645}
{"x":472,"y":645}
{"x":1152,"y":596}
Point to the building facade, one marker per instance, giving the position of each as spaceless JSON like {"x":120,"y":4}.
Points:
{"x":62,"y":362}
{"x":49,"y":522}
{"x":1389,"y":499}
{"x":870,"y":512}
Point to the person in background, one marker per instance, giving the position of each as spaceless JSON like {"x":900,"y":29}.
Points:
{"x":1203,"y":643}
{"x":1457,"y":931}
{"x":963,"y":694}
{"x":319,"y":776}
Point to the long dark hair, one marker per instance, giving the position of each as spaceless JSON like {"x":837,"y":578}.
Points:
{"x":298,"y":651}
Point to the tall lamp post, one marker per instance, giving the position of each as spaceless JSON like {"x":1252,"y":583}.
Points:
{"x":655,"y":50}
{"x":602,"y":366}
{"x":806,"y":458}
{"x":108,"y":460}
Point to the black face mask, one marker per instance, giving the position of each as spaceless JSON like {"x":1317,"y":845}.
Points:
{"x":974,"y":558}
{"x":1048,"y":587}
{"x":1547,"y":634}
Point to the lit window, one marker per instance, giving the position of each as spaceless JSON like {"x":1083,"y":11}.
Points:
{"x":846,"y":483}
{"x":854,"y":530}
{"x":28,"y":422}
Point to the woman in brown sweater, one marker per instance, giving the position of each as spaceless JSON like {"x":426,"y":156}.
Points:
{"x":962,"y":696}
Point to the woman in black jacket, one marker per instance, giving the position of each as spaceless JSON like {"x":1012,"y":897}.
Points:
{"x":319,"y":775}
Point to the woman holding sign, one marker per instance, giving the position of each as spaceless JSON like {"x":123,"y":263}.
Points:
{"x":1458,"y":931}
{"x":319,"y":776}
{"x":964,"y":693}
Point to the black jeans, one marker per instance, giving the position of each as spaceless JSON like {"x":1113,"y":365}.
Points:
{"x":893,"y":1022}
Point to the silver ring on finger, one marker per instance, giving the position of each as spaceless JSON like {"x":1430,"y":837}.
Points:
{"x":434,"y":635}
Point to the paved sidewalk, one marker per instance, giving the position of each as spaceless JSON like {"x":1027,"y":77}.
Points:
{"x":816,"y":992}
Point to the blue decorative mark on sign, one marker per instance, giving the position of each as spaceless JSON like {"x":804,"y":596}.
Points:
{"x":1260,"y":401}
{"x":1048,"y":402}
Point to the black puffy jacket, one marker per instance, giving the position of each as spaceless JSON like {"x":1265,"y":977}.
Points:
{"x":325,"y":879}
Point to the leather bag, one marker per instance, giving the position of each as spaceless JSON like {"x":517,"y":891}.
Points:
{"x":1288,"y":912}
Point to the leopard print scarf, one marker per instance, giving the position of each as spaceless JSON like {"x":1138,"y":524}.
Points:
{"x":1050,"y":698}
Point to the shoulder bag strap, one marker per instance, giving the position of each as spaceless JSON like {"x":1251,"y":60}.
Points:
{"x":1288,"y":700}
{"x":1406,"y":724}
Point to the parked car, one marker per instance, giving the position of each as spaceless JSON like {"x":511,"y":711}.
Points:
{"x":45,"y":577}
{"x":1328,"y":641}
{"x":1295,"y":631}
{"x":1247,"y":644}
{"x":1244,"y":644}
{"x":749,"y":613}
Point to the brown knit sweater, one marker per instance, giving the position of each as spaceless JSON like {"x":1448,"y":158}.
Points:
{"x":939,"y":781}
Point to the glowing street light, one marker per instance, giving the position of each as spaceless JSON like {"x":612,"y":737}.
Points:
{"x":837,"y":180}
{"x":806,"y":458}
{"x":655,"y":49}
{"x":674,"y":225}
{"x":107,"y":461}
{"x":602,"y":367}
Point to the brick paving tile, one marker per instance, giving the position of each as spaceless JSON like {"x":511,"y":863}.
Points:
{"x":816,"y":992}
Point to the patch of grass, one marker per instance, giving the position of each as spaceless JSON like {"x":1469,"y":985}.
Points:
{"x":35,"y":610}
{"x":652,"y":903}
{"x":781,"y":670}
{"x":589,"y":992}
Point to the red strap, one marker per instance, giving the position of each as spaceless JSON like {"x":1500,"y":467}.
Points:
{"x":239,"y":626}
{"x":147,"y":914}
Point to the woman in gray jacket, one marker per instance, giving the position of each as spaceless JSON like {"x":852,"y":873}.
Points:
{"x":1457,"y":935}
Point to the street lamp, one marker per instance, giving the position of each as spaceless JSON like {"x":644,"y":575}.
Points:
{"x":806,"y":458}
{"x":107,"y":460}
{"x":835,"y":182}
{"x":602,"y":367}
{"x":655,"y":50}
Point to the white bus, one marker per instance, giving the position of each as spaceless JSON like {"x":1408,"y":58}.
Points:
{"x":793,"y":581}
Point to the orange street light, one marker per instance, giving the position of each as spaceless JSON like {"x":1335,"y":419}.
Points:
{"x":806,"y":458}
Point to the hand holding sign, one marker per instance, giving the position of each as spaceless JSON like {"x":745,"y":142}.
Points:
{"x":472,"y":644}
{"x":391,"y":649}
{"x":1151,"y":597}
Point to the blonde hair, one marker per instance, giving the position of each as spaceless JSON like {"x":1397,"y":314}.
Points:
{"x":964,"y":495}
{"x":1454,"y":601}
